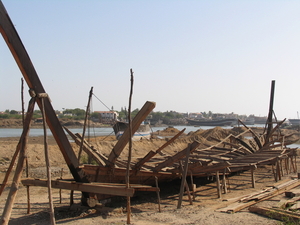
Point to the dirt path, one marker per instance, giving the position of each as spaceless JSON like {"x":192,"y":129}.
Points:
{"x":144,"y":206}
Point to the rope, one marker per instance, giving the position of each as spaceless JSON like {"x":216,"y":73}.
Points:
{"x":102,"y":102}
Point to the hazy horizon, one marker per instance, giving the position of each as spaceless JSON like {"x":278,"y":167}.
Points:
{"x":187,"y":56}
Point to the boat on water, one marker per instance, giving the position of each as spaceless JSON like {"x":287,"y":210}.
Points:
{"x":143,"y":132}
{"x":295,"y":122}
{"x":212,"y":122}
{"x":249,"y":121}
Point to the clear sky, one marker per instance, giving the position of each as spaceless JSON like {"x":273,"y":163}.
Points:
{"x":187,"y":56}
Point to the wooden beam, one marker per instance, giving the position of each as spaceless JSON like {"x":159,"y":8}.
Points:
{"x":211,"y":168}
{"x":270,"y":115}
{"x":183,"y":178}
{"x":255,"y":136}
{"x":20,"y":143}
{"x":279,"y":214}
{"x":85,"y":147}
{"x":84,"y":187}
{"x":20,"y":165}
{"x":276,"y":190}
{"x":218,"y":184}
{"x":177,"y":156}
{"x":151,"y":154}
{"x":26,"y":67}
{"x":124,"y":139}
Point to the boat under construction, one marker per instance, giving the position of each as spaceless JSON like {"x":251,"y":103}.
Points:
{"x":116,"y":175}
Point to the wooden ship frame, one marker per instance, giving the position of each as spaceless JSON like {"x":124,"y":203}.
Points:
{"x":108,"y":177}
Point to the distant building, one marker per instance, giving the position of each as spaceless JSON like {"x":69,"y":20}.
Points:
{"x":195,"y":116}
{"x":106,"y":117}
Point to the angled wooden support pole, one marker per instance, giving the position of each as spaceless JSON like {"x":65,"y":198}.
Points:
{"x":151,"y":154}
{"x":124,"y":139}
{"x":183,"y":179}
{"x":18,"y":173}
{"x":52,"y":217}
{"x":25,"y":131}
{"x":30,"y":75}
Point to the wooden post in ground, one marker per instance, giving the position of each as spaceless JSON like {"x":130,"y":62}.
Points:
{"x":295,"y":157}
{"x":278,"y":169}
{"x":157,"y":192}
{"x":270,"y":115}
{"x":84,"y":126}
{"x":183,"y":177}
{"x":274,"y":172}
{"x":52,"y":217}
{"x":253,"y":167}
{"x":218,"y":184}
{"x":130,"y":147}
{"x":20,"y":165}
{"x":19,"y":146}
{"x":224,"y":184}
{"x":26,"y":160}
{"x":61,"y":175}
{"x":292,"y":163}
{"x":281,"y":167}
{"x":193,"y":186}
{"x":71,"y":197}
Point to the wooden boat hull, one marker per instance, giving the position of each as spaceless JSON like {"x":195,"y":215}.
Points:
{"x":221,"y":122}
{"x":143,"y":132}
{"x":117,"y":175}
{"x":295,"y":122}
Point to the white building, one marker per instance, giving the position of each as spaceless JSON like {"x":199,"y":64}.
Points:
{"x":107,"y":116}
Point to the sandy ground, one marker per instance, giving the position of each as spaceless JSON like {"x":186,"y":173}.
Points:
{"x":144,"y":205}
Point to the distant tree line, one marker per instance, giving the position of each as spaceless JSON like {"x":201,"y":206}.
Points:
{"x":13,"y":114}
{"x":79,"y":114}
{"x":168,"y":117}
{"x":154,"y":117}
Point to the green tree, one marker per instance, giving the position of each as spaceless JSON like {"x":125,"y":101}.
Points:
{"x":122,"y":114}
{"x":134,"y":112}
{"x":13,"y":112}
{"x":4,"y":116}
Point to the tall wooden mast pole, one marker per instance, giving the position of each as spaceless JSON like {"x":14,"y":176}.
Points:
{"x":22,"y":59}
{"x":270,"y":115}
{"x":130,"y":147}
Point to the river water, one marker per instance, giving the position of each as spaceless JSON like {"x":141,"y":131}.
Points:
{"x":104,"y":131}
{"x":98,"y":131}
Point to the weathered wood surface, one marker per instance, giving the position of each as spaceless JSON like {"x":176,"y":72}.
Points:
{"x":183,"y":178}
{"x":97,"y":188}
{"x":117,"y":175}
{"x":255,"y":136}
{"x":86,"y":148}
{"x":24,"y":135}
{"x":151,"y":154}
{"x":210,"y":168}
{"x":295,"y":206}
{"x":20,"y":165}
{"x":278,"y":214}
{"x":177,"y":156}
{"x":124,"y":139}
{"x":253,"y":199}
{"x":293,"y":193}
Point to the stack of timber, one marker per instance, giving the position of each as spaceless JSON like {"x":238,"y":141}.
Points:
{"x":254,"y":198}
